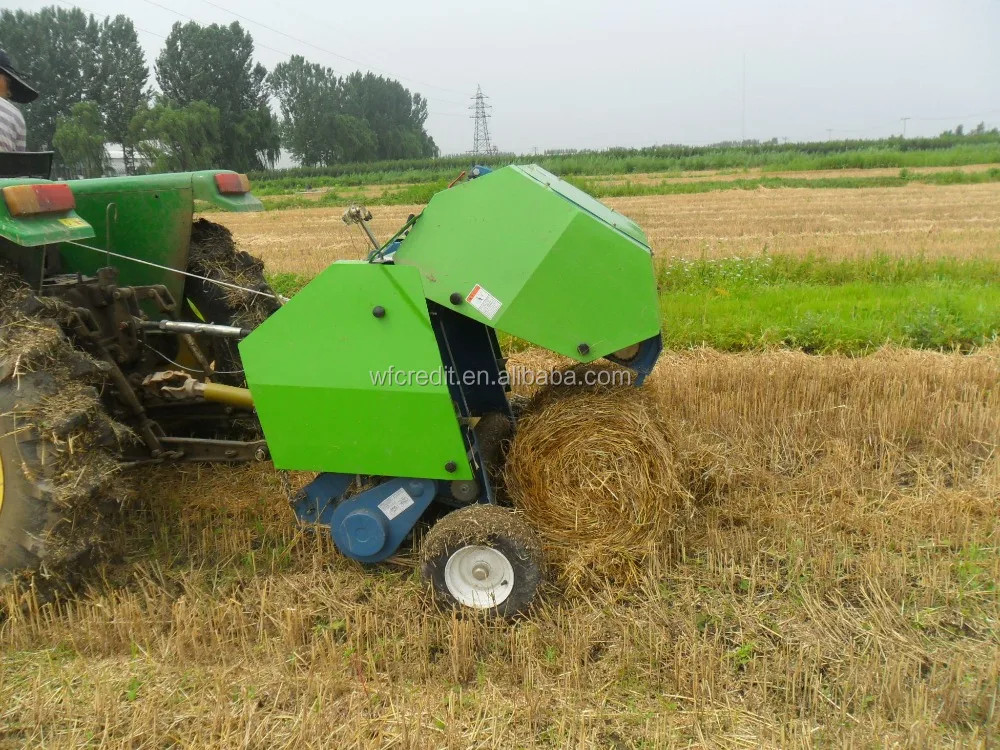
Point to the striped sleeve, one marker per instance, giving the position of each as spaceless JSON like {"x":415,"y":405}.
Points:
{"x":21,"y":141}
{"x":13,"y":133}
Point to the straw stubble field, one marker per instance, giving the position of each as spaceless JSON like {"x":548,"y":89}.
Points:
{"x":960,"y":221}
{"x":832,"y":582}
{"x":829,"y":575}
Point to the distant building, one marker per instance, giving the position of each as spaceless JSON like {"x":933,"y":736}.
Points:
{"x":116,"y":160}
{"x":286,"y":160}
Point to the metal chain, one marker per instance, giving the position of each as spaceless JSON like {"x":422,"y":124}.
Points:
{"x":280,"y":298}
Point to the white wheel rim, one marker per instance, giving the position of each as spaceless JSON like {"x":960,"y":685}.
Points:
{"x":479,"y":577}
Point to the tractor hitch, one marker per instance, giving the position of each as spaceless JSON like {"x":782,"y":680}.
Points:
{"x":179,"y":386}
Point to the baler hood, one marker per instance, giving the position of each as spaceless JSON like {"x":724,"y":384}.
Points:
{"x":526,"y":253}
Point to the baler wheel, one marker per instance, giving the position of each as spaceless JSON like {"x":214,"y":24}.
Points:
{"x":483,"y":558}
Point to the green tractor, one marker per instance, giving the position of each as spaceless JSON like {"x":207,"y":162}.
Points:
{"x":102,"y":283}
{"x":385,"y":376}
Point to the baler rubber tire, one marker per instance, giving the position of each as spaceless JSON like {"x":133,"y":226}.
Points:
{"x":499,"y":529}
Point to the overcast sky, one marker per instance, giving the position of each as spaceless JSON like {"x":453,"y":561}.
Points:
{"x":590,"y":74}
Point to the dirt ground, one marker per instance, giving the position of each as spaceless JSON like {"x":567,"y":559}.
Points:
{"x":960,"y":221}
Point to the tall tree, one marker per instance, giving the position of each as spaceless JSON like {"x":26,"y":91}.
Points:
{"x":177,"y":139}
{"x":80,"y":138}
{"x":215,"y":64}
{"x":395,"y":115}
{"x":314,"y":127}
{"x":326,"y":119}
{"x":123,"y":83}
{"x":58,"y":49}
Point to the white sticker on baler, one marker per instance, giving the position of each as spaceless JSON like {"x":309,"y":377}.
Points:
{"x":483,"y":301}
{"x":396,"y":503}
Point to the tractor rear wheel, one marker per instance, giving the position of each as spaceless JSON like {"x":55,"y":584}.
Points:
{"x":214,"y":255}
{"x":54,"y":480}
{"x":26,"y":515}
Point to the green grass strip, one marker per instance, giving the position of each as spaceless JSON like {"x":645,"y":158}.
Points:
{"x":816,"y":305}
{"x":673,"y":187}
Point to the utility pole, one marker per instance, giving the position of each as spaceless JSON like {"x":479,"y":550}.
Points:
{"x":743,"y":121}
{"x":829,"y":134}
{"x":904,"y":119}
{"x":481,"y":113}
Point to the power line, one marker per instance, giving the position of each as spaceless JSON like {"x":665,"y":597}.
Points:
{"x":886,"y":126}
{"x":743,"y":120}
{"x":956,"y":117}
{"x":330,"y":52}
{"x":195,"y":20}
{"x":191,"y":18}
{"x":274,"y":49}
{"x":107,"y":16}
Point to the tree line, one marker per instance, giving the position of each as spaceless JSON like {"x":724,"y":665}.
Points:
{"x":212,"y":103}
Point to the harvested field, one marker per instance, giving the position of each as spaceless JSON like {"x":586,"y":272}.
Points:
{"x":834,"y":583}
{"x":961,"y":221}
{"x":307,"y":240}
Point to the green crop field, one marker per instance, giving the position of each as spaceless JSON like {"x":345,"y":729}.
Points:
{"x":617,"y":173}
{"x":944,"y":151}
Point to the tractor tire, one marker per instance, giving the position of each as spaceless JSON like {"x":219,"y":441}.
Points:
{"x":58,"y":465}
{"x":483,"y":558}
{"x":214,"y":255}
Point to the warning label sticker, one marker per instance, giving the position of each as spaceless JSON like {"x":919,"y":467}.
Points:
{"x":71,"y":222}
{"x":396,"y":503}
{"x":483,"y":301}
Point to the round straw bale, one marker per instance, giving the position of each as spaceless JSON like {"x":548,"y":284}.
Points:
{"x":595,"y":474}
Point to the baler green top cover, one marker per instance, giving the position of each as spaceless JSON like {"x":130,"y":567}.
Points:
{"x":531,"y":255}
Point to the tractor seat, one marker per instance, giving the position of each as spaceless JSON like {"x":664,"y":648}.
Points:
{"x":26,"y":164}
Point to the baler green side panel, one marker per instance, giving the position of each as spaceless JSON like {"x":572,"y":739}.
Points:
{"x":312,"y":368}
{"x":564,"y":269}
